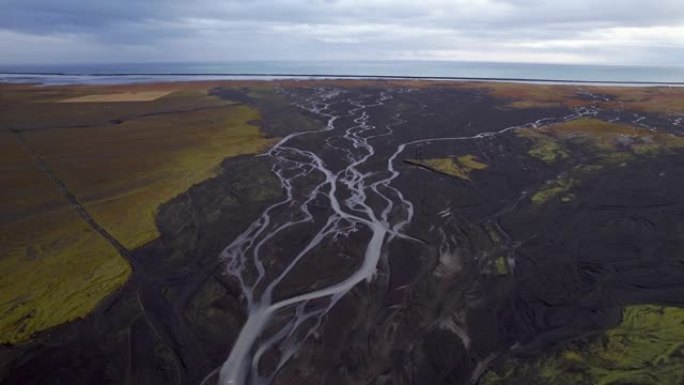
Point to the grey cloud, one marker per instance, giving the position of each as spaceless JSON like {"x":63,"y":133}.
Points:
{"x":283,"y":29}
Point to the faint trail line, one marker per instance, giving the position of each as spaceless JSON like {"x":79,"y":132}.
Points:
{"x":167,"y":325}
{"x":75,"y":203}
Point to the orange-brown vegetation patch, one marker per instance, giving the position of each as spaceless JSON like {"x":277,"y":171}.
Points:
{"x":53,"y":266}
{"x":521,"y":95}
{"x":121,"y":160}
{"x":594,"y":128}
{"x":611,"y":142}
{"x":666,"y":100}
{"x":143,"y":96}
{"x":600,"y":144}
{"x":123,"y":172}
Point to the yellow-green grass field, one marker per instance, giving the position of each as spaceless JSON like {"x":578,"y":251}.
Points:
{"x":646,"y":348}
{"x":121,"y":160}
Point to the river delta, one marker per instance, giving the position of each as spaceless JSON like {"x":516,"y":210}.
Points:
{"x":342,"y":232}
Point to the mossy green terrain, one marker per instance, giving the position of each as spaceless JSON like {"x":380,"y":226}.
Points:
{"x":607,"y":141}
{"x":615,"y":137}
{"x":519,"y":95}
{"x":53,"y":267}
{"x":545,"y":148}
{"x":646,"y":348}
{"x":122,"y":175}
{"x":56,"y":269}
{"x":121,"y":161}
{"x":663,"y":100}
{"x":591,"y":145}
{"x":554,"y":188}
{"x":460,"y":167}
{"x":500,"y":266}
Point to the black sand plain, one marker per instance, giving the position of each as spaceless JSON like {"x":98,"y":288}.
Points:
{"x":536,"y":227}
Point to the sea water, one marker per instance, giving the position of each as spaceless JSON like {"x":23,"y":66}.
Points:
{"x":143,"y":72}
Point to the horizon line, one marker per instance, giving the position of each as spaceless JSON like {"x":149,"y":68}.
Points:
{"x":347,"y":76}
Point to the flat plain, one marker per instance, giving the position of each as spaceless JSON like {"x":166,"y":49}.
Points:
{"x":341,"y":232}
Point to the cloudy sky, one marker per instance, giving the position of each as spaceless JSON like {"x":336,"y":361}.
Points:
{"x":549,"y":31}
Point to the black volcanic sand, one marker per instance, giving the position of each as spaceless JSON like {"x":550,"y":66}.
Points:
{"x":438,"y":310}
{"x":178,"y":316}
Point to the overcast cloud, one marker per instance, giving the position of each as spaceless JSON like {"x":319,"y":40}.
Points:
{"x":551,"y":31}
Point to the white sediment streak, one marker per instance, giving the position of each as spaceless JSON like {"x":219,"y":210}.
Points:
{"x":384,"y":222}
{"x":242,"y":364}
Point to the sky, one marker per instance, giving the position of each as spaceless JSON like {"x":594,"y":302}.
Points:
{"x":649,"y":32}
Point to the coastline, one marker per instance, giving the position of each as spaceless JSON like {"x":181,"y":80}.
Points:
{"x":47,"y":79}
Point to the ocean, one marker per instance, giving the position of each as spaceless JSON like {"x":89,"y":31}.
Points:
{"x":145,"y":72}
